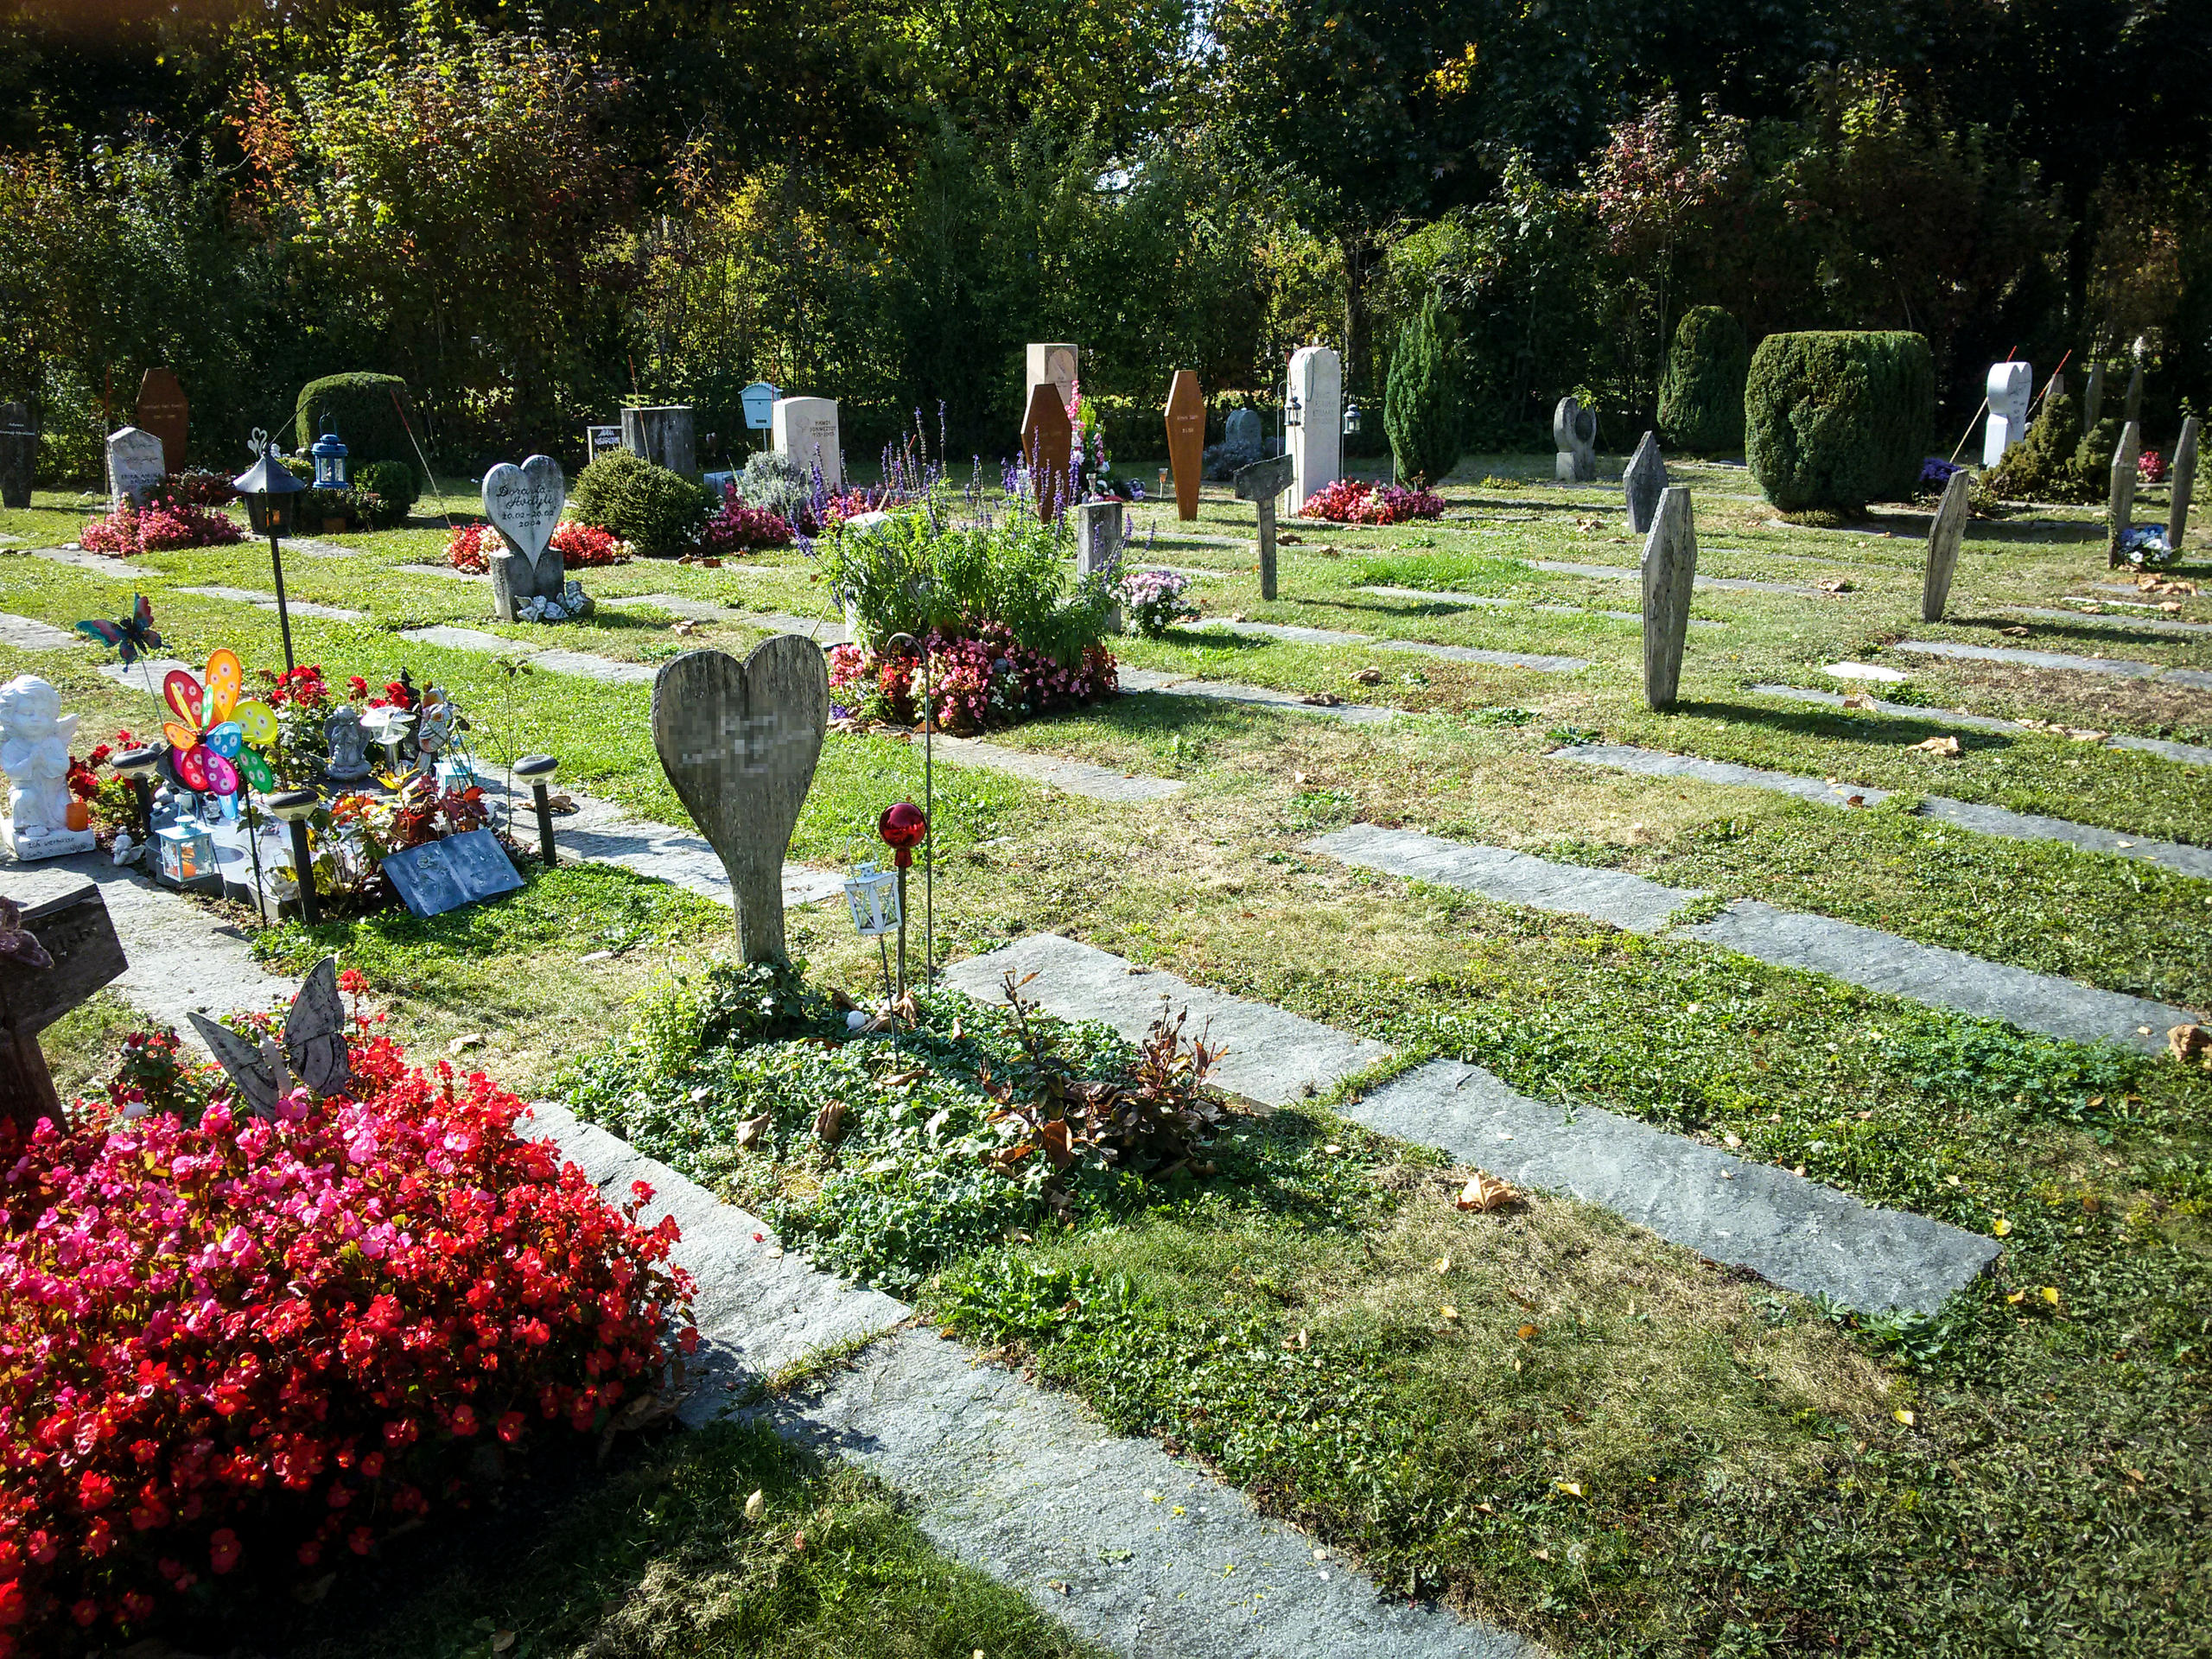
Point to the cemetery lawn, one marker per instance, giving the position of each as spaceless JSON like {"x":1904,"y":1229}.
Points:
{"x":1608,"y":1443}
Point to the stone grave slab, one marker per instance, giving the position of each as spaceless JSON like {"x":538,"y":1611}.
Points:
{"x":1272,"y":1056}
{"x":2093,"y":619}
{"x":804,"y":430}
{"x":1643,"y":483}
{"x":268,"y":602}
{"x":2182,"y":490}
{"x":135,"y":466}
{"x":1143,"y":680}
{"x":1791,"y":1231}
{"x":667,"y":435}
{"x":2111,"y":667}
{"x":523,"y":504}
{"x":1631,"y":573}
{"x":29,"y":633}
{"x":1669,"y":573}
{"x":1945,"y":531}
{"x":1316,"y":442}
{"x":445,"y":875}
{"x":1082,"y":778}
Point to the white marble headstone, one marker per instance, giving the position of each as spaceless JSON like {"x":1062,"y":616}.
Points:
{"x":1317,"y":381}
{"x":2010,"y":385}
{"x":804,"y":431}
{"x":135,"y":466}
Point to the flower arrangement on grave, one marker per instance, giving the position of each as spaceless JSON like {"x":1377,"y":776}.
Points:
{"x":1156,"y":600}
{"x":106,"y":800}
{"x":301,"y":700}
{"x":160,"y":526}
{"x":974,"y":680}
{"x":295,"y":1334}
{"x":1935,"y":473}
{"x":1354,"y":501}
{"x":2151,"y":466}
{"x":580,"y":546}
{"x":736,"y":528}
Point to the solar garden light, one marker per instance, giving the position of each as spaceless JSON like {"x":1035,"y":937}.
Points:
{"x":539,"y":769}
{"x":138,"y":765}
{"x":268,"y":486}
{"x":873,"y":896}
{"x":293,"y":806}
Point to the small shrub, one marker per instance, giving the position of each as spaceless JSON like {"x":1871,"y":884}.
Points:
{"x":1354,"y":501}
{"x":292,"y":1338}
{"x":1839,"y":419}
{"x":1420,"y":398}
{"x":779,"y":484}
{"x":737,"y":528}
{"x":393,"y":480}
{"x":359,"y":409}
{"x":657,"y":512}
{"x":2057,"y":462}
{"x":1702,"y":394}
{"x":1157,"y":600}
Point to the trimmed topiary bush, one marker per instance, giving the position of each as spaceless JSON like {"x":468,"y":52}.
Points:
{"x":361,"y":412}
{"x":389,"y":480}
{"x":1834,"y":420}
{"x":658,"y":512}
{"x":1702,"y":394}
{"x":1420,"y":399}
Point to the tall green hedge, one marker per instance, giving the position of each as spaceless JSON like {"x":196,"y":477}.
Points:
{"x":1837,"y":420}
{"x":359,"y":407}
{"x":1420,"y":399}
{"x":1702,"y":394}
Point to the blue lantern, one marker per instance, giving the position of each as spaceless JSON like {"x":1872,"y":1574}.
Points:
{"x":329,"y":454}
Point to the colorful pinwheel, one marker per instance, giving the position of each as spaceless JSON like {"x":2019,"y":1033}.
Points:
{"x":220,"y":736}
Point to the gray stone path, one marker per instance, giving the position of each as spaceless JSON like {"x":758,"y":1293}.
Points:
{"x":1017,"y":1482}
{"x":2189,"y":754}
{"x":309,"y":546}
{"x":1795,"y":1232}
{"x":1077,"y":777}
{"x":2113,"y":667}
{"x":29,"y":633}
{"x":1859,"y":955}
{"x":554,"y":659}
{"x":1790,"y":1230}
{"x":267,"y":601}
{"x":1273,"y":1056}
{"x":147,"y":673}
{"x":105,"y":564}
{"x":820,"y":629}
{"x":2100,"y":620}
{"x":1140,"y":680}
{"x":694,"y":610}
{"x":1630,"y":572}
{"x":1968,"y":815}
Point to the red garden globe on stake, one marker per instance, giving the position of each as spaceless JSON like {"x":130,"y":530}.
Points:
{"x":903,"y":828}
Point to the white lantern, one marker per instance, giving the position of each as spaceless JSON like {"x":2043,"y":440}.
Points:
{"x":873,"y":896}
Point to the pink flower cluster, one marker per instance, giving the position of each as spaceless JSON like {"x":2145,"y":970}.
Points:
{"x":251,"y":1342}
{"x":2151,"y":466}
{"x":975,"y":680}
{"x":470,"y":546}
{"x":1353,"y":501}
{"x":157,"y":527}
{"x":740,"y":528}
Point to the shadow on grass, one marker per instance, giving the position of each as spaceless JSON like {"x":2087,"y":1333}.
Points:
{"x":2048,"y":629}
{"x":1893,"y":731}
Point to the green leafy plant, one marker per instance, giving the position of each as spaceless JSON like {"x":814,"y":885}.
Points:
{"x":394,"y":481}
{"x":657,"y":512}
{"x":1701,"y":395}
{"x":1839,"y":419}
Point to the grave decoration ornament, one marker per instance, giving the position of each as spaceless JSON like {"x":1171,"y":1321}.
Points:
{"x":903,"y":828}
{"x":871,"y":895}
{"x":312,"y":1055}
{"x":130,"y":636}
{"x":739,"y":742}
{"x":35,"y":739}
{"x":2010,"y":385}
{"x":523,"y":504}
{"x":348,"y":744}
{"x":454,"y":870}
{"x":269,"y":488}
{"x":220,"y":738}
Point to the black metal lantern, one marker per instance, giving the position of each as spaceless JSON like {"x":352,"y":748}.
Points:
{"x":270,"y":488}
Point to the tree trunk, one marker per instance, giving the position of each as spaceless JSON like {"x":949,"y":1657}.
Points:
{"x":1359,"y":253}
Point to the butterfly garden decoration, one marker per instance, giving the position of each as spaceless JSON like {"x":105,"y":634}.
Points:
{"x":313,"y":1050}
{"x":131,"y":636}
{"x":218,"y":739}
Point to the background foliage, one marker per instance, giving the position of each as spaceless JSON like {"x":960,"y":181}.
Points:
{"x":532,"y":217}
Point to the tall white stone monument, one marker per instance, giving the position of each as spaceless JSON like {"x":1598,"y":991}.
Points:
{"x":1055,"y":361}
{"x":2010,"y":385}
{"x":804,"y":430}
{"x":1314,"y":420}
{"x":135,"y":466}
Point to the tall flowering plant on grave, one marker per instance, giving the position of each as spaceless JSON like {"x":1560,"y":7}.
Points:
{"x":261,"y":1346}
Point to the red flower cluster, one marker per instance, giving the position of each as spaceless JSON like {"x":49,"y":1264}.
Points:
{"x":2151,"y":466}
{"x":740,"y":528}
{"x":984,"y":678}
{"x":157,"y":528}
{"x":300,"y":688}
{"x":471,"y":546}
{"x":1353,"y":501}
{"x":83,"y":780}
{"x":254,"y":1342}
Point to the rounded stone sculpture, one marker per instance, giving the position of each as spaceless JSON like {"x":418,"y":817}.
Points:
{"x":35,"y":739}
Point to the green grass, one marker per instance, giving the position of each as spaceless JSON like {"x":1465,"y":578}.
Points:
{"x":659,"y":1558}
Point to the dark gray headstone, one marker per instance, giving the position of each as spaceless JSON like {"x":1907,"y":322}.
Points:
{"x":665,"y":436}
{"x":523,"y":504}
{"x":2184,"y":485}
{"x":1669,"y":578}
{"x":739,"y":742}
{"x":1944,"y":535}
{"x":2119,"y":510}
{"x":2131,"y":411}
{"x":448,"y":874}
{"x":18,"y":456}
{"x":2093,"y":396}
{"x":1244,"y":430}
{"x":1645,"y":478}
{"x":1261,"y":483}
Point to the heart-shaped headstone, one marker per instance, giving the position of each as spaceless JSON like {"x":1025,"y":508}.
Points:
{"x":523,"y":504}
{"x":739,"y":742}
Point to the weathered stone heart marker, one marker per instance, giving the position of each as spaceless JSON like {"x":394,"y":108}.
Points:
{"x":1943,"y":537}
{"x":523,"y":504}
{"x":1643,"y":480}
{"x":1670,"y":578}
{"x":739,"y":742}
